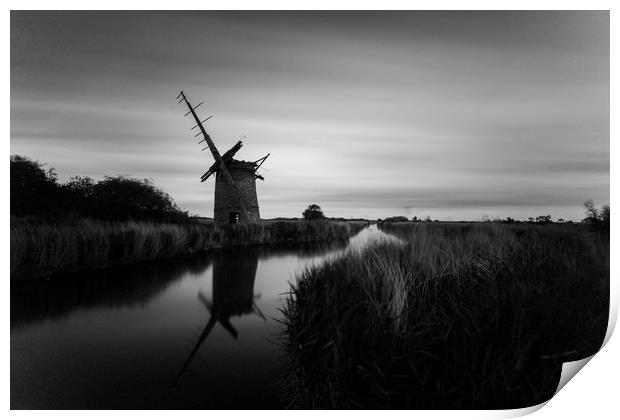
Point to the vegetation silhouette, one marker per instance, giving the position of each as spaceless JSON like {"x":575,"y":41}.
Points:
{"x":463,"y":316}
{"x":34,"y":191}
{"x":84,"y":224}
{"x":37,"y":192}
{"x":116,"y":287}
{"x":40,"y":249}
{"x":397,"y":219}
{"x":313,"y":212}
{"x":597,"y":218}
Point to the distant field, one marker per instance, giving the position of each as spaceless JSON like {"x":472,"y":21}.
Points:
{"x":40,"y":248}
{"x":478,"y":315}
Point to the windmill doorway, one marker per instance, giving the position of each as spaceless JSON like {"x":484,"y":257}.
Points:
{"x":233,"y":217}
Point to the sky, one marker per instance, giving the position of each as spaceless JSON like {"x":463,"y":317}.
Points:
{"x":451,"y":115}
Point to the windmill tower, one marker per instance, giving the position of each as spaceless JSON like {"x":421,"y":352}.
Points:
{"x":235,"y":180}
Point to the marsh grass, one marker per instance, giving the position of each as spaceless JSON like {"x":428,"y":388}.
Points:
{"x":41,"y":248}
{"x":462,"y":316}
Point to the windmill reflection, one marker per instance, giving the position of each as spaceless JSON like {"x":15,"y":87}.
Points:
{"x":232,"y":295}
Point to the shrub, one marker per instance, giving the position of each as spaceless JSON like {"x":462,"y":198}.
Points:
{"x":596,"y":218}
{"x":313,"y":212}
{"x":121,"y":198}
{"x":396,"y":219}
{"x":33,"y":190}
{"x":37,"y":192}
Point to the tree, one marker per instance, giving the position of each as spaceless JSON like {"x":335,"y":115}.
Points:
{"x":605,"y":214}
{"x":595,"y":217}
{"x":78,"y":192}
{"x":396,"y":219}
{"x":82,"y":185}
{"x":120,"y":198}
{"x":313,"y":212}
{"x":592,"y":213}
{"x":34,"y":191}
{"x":543,"y":219}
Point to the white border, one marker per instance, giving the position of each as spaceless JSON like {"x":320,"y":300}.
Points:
{"x":592,"y":394}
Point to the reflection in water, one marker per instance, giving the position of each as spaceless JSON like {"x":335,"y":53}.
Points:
{"x":110,"y":339}
{"x":117,"y":287}
{"x":134,"y":284}
{"x":233,"y":295}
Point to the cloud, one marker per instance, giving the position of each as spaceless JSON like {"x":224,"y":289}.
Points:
{"x":365,"y":112}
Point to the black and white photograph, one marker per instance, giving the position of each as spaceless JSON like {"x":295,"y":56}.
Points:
{"x":306,"y":209}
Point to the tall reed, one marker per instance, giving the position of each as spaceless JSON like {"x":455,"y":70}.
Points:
{"x":40,"y":248}
{"x":463,"y":316}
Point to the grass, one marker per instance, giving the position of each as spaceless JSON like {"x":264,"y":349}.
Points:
{"x":40,"y":248}
{"x":461,"y":316}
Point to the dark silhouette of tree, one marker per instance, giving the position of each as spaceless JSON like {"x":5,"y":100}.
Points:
{"x":605,"y":215}
{"x":121,"y":198}
{"x":78,"y":192}
{"x":396,"y":219}
{"x":597,"y":218}
{"x":543,"y":219}
{"x":313,"y":212}
{"x":81,"y":185}
{"x":592,"y":213}
{"x":33,"y":190}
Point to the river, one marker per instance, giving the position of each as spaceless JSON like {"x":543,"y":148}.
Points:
{"x":189,"y":333}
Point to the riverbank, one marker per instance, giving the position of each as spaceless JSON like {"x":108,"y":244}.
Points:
{"x":462,"y":316}
{"x":40,"y":248}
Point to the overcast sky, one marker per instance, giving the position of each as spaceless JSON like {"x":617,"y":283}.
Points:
{"x":440,"y":114}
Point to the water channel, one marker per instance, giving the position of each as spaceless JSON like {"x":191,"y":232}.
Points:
{"x":195,"y":332}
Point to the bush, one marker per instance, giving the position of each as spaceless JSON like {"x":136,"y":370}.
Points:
{"x":394,"y":219}
{"x":37,"y":192}
{"x":313,"y":212}
{"x":120,"y":198}
{"x":78,"y":192}
{"x":33,"y":190}
{"x":597,"y":218}
{"x":544,"y":219}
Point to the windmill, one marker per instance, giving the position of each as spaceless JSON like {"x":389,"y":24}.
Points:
{"x":235,"y":180}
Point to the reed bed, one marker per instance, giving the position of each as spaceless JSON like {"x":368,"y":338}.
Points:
{"x":462,"y":316}
{"x":40,"y":248}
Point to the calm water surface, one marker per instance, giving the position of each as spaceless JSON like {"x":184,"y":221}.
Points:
{"x":195,"y":332}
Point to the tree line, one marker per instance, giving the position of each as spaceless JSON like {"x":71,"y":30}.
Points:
{"x":595,"y":217}
{"x":37,"y":192}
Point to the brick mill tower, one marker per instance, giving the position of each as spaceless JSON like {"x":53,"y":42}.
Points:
{"x":235,"y":180}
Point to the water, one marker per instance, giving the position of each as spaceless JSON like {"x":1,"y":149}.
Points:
{"x":196,"y":332}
